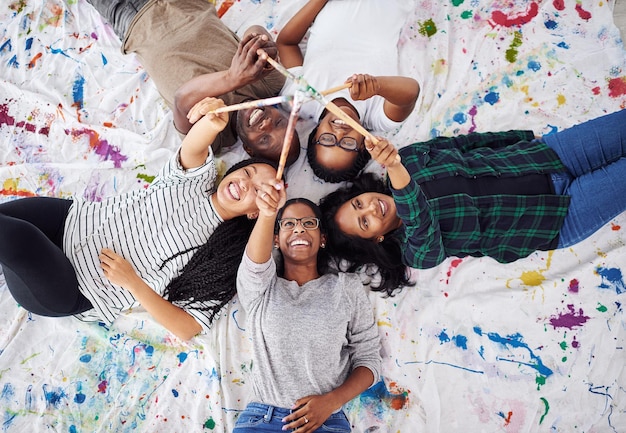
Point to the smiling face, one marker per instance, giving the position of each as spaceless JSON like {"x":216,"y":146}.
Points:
{"x":334,"y":157}
{"x":262,"y":131}
{"x":236,"y":193}
{"x":299,"y":245}
{"x":368,"y":216}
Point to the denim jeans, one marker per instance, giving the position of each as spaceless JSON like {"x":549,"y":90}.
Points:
{"x":594,"y":153}
{"x":258,"y":417}
{"x":118,"y":13}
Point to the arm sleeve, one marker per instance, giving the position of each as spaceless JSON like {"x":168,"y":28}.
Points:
{"x":475,"y":140}
{"x":363,"y":337}
{"x":422,"y":245}
{"x":173,"y":171}
{"x":253,"y":279}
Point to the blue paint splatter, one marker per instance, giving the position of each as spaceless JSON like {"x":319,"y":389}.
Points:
{"x":85,"y":358}
{"x":7,"y":392}
{"x":492,"y":98}
{"x":175,"y":393}
{"x":506,"y":80}
{"x":443,"y":337}
{"x":534,"y":66}
{"x":611,"y":279}
{"x":28,"y":44}
{"x":460,"y":341}
{"x":182,"y":357}
{"x":72,"y":429}
{"x":563,"y":45}
{"x":460,"y":118}
{"x":6,"y":46}
{"x":77,"y":91}
{"x":104,"y":60}
{"x":54,"y":396}
{"x":551,"y":24}
{"x":13,"y":62}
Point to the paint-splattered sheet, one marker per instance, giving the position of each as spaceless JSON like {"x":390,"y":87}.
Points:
{"x":537,"y":345}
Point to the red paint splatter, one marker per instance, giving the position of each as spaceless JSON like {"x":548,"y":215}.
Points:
{"x":615,"y":227}
{"x":500,"y":18}
{"x":617,"y":87}
{"x":573,"y":286}
{"x":507,"y":420}
{"x":569,"y":320}
{"x":559,"y":5}
{"x":453,"y":265}
{"x":596,"y":90}
{"x":583,"y":14}
{"x":102,"y":387}
{"x":33,"y":61}
{"x":5,"y":118}
{"x":226,"y":4}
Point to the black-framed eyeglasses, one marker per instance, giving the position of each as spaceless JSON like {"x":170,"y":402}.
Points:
{"x":346,"y":143}
{"x":307,"y":223}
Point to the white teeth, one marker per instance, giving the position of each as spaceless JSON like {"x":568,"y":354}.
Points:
{"x":297,"y":242}
{"x":383,"y":207}
{"x":339,"y":122}
{"x":233,"y":191}
{"x":255,"y":116}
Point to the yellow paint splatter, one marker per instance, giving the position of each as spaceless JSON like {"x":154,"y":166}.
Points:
{"x":561,"y":99}
{"x":532,"y":278}
{"x":440,"y":67}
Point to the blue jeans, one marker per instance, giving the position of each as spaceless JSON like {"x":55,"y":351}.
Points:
{"x":594,"y":153}
{"x":257,"y":417}
{"x":118,"y":13}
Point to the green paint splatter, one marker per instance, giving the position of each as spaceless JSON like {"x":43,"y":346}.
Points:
{"x":457,"y":2}
{"x":209,"y":423}
{"x":145,"y":177}
{"x":540,"y":381}
{"x":563,"y":345}
{"x":511,"y":53}
{"x":428,"y":28}
{"x":564,"y":359}
{"x":467,"y":14}
{"x":547,"y":406}
{"x":601,"y":308}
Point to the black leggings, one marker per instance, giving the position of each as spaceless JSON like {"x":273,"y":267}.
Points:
{"x":38,"y":274}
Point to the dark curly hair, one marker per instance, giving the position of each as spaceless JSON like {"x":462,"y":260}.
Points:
{"x":211,"y":273}
{"x":330,"y":175}
{"x":381,"y":259}
{"x":323,"y":259}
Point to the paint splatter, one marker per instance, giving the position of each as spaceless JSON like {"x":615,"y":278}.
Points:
{"x":583,"y":14}
{"x":77,"y":92}
{"x":573,"y":286}
{"x":617,"y":87}
{"x":546,"y":406}
{"x":511,"y":52}
{"x":569,"y":319}
{"x":393,"y":398}
{"x":492,"y":97}
{"x":612,"y":279}
{"x":101,"y":147}
{"x":428,"y":28}
{"x":209,"y":423}
{"x":502,"y":19}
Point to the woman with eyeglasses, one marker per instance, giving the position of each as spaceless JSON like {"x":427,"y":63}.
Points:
{"x":503,"y":195}
{"x":315,"y":343}
{"x":353,"y":41}
{"x":173,"y":247}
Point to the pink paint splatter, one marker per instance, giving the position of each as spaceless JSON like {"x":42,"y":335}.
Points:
{"x":575,"y":343}
{"x":102,"y":387}
{"x":500,"y":18}
{"x":617,"y":87}
{"x":573,"y":286}
{"x":569,"y":319}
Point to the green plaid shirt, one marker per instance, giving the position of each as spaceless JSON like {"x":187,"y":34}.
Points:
{"x":505,"y":227}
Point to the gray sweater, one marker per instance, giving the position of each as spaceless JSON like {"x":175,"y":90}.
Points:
{"x":305,"y":340}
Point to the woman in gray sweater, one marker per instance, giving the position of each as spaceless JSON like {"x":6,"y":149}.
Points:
{"x":315,"y":343}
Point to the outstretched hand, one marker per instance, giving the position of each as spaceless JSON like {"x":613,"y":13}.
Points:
{"x":204,"y":106}
{"x":363,"y":86}
{"x":309,"y":414}
{"x":383,"y":152}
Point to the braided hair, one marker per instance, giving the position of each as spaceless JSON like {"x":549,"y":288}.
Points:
{"x":381,"y":259}
{"x":210,"y":275}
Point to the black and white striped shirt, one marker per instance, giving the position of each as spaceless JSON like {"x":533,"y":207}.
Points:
{"x":147,"y":228}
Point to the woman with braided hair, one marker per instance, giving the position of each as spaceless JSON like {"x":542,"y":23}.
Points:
{"x":162,"y":247}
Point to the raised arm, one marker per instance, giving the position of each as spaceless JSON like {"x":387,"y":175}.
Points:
{"x":270,"y":198}
{"x":400,"y":93}
{"x":246,"y":67}
{"x":195,"y":146}
{"x":291,"y":35}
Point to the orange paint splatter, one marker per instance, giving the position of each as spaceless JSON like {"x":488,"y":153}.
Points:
{"x":226,"y":4}
{"x":33,"y":61}
{"x":615,"y":227}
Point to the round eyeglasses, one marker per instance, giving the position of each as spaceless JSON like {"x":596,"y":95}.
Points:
{"x":346,"y":143}
{"x":307,"y":223}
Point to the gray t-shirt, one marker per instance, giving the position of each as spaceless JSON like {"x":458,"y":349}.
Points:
{"x":306,"y":340}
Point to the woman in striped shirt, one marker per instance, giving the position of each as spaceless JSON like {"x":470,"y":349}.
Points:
{"x":162,"y":247}
{"x":501,"y":194}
